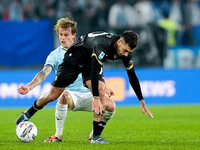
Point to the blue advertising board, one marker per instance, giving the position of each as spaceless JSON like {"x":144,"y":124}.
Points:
{"x":159,"y":86}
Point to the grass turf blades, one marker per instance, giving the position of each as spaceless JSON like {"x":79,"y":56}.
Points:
{"x":173,"y":128}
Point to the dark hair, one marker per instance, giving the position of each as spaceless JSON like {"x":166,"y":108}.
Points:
{"x":130,"y":38}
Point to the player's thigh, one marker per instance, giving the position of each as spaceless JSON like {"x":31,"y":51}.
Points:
{"x":82,"y":101}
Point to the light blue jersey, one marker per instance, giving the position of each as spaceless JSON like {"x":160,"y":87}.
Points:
{"x":54,"y":59}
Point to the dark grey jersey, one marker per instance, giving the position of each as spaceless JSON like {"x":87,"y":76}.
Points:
{"x":96,"y":43}
{"x":89,"y":51}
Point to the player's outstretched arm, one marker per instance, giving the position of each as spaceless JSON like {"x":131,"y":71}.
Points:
{"x":145,"y":109}
{"x":38,"y":79}
{"x":23,"y":89}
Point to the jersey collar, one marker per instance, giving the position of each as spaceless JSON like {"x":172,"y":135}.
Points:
{"x":64,"y":48}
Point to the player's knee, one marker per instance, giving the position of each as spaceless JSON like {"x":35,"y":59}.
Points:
{"x":65,"y":97}
{"x":111,"y":107}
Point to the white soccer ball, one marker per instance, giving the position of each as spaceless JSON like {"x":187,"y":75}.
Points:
{"x":26,"y":131}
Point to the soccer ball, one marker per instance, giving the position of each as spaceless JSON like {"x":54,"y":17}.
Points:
{"x":26,"y":131}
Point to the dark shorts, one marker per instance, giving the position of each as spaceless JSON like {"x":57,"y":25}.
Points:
{"x":67,"y":74}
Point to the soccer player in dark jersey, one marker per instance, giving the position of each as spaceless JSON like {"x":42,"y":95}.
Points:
{"x":86,"y":56}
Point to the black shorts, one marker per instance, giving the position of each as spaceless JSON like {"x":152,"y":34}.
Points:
{"x":67,"y":74}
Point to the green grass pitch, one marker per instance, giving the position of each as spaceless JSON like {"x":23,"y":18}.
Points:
{"x":173,"y":128}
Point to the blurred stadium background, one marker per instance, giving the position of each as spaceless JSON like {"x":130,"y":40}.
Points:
{"x":167,"y":59}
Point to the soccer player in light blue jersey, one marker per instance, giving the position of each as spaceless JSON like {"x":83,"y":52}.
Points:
{"x":75,"y":97}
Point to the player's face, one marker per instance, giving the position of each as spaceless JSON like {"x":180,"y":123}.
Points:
{"x":123,"y":49}
{"x":66,"y":37}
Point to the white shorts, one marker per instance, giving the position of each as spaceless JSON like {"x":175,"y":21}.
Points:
{"x":82,"y":101}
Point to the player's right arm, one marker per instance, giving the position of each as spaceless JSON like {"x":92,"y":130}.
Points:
{"x":37,"y":80}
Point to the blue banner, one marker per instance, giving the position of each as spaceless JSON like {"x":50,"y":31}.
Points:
{"x":159,"y":86}
{"x":25,"y":43}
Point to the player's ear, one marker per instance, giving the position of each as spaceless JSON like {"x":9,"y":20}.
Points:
{"x":74,"y":36}
{"x":119,"y":41}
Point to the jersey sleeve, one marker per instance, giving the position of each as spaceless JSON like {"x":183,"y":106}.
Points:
{"x":96,"y":69}
{"x":97,"y":57}
{"x":133,"y":79}
{"x":99,"y":53}
{"x":128,"y":62}
{"x":51,"y":60}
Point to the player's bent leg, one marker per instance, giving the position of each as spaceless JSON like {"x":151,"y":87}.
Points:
{"x":28,"y":113}
{"x":66,"y":98}
{"x":65,"y":101}
{"x":107,"y":116}
{"x":40,"y":103}
{"x":51,"y":96}
{"x":110,"y":108}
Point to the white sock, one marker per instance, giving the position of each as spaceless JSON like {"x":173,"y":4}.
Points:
{"x":60,"y":117}
{"x":108,"y":115}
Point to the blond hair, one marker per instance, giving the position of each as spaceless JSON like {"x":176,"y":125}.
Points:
{"x":65,"y":23}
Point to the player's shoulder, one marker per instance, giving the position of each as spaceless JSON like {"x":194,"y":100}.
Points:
{"x":101,"y":38}
{"x":100,"y":34}
{"x":57,"y":50}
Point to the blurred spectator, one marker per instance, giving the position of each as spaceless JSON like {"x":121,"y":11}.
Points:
{"x":51,"y":14}
{"x":75,"y":9}
{"x":89,"y":15}
{"x":2,"y":7}
{"x":120,"y":15}
{"x":102,"y":16}
{"x":171,"y":27}
{"x":14,"y":12}
{"x":176,"y":14}
{"x":143,"y":13}
{"x":156,"y":6}
{"x":29,"y":10}
{"x":61,"y":8}
{"x":191,"y":17}
{"x":198,"y":60}
{"x":182,"y":22}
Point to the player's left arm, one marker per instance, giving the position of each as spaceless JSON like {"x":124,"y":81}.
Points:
{"x":136,"y":86}
{"x":96,"y":70}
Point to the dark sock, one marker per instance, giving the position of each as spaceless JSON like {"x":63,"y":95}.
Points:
{"x":98,"y":128}
{"x":33,"y":109}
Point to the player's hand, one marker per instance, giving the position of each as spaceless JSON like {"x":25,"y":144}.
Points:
{"x":110,"y":92}
{"x":145,"y":109}
{"x":97,"y":107}
{"x":23,"y":89}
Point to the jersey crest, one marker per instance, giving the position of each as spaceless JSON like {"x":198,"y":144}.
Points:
{"x":101,"y":55}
